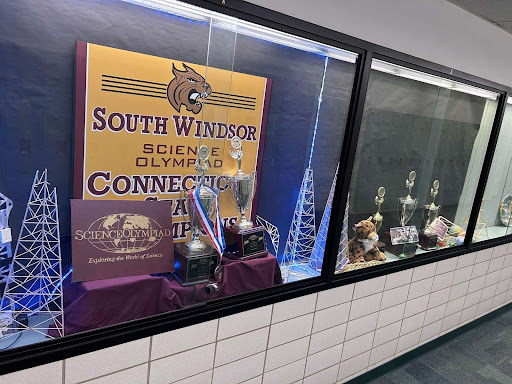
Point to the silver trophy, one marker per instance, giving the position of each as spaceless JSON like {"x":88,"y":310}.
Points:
{"x":243,"y":185}
{"x":377,"y":217}
{"x":407,"y":205}
{"x":207,"y":199}
{"x":431,"y":210}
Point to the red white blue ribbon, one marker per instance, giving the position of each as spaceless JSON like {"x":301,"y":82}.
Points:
{"x":213,"y":229}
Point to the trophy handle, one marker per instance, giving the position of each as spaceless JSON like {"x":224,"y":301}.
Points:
{"x":183,"y":198}
{"x":229,"y":198}
{"x":254,"y":185}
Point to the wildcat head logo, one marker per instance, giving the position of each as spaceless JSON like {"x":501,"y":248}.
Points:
{"x":188,"y":88}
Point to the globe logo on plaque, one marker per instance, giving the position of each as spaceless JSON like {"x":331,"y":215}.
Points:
{"x":123,"y":233}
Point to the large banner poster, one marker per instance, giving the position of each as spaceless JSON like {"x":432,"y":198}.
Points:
{"x":140,"y":120}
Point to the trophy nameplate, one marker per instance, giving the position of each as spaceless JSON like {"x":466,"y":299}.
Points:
{"x":428,"y":241}
{"x":196,"y":260}
{"x":246,"y":244}
{"x":194,"y":266}
{"x":244,"y":240}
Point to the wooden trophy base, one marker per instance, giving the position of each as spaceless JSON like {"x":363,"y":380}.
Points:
{"x":245,"y":244}
{"x":192,"y":267}
{"x":427,"y":242}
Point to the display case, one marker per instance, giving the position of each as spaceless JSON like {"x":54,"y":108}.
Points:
{"x":494,"y":215}
{"x":419,"y":155}
{"x":219,"y":160}
{"x":204,"y":168}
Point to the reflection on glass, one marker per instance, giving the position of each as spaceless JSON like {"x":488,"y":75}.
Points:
{"x":237,"y":128}
{"x":494,"y":219}
{"x":436,"y":131}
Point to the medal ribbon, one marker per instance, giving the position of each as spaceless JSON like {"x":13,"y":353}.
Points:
{"x":213,"y":229}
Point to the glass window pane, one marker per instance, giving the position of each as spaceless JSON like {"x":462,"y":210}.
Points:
{"x":162,"y":100}
{"x":418,"y":158}
{"x":495,"y":216}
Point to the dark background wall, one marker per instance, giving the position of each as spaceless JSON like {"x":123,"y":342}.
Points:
{"x":37,"y":46}
{"x":409,"y":125}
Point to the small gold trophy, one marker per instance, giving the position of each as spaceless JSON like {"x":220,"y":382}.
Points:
{"x":432,"y":210}
{"x":428,"y":240}
{"x":377,"y":217}
{"x":407,"y":205}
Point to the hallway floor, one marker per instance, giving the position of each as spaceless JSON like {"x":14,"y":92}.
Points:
{"x":481,"y":355}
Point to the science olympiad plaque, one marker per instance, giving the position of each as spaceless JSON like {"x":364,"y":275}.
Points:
{"x":113,"y":238}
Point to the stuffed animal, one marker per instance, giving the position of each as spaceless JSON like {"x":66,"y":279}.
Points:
{"x":362,"y":246}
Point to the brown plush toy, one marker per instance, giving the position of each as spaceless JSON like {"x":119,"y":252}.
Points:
{"x":362,"y":246}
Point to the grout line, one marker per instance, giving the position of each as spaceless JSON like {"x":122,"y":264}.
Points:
{"x":252,"y":378}
{"x":285,"y":365}
{"x":292,"y":318}
{"x":245,"y":333}
{"x":323,"y":369}
{"x":309,"y":342}
{"x":186,"y":350}
{"x":402,"y":319}
{"x":375,"y":330}
{"x":149,"y":357}
{"x":195,"y":374}
{"x":64,"y":371}
{"x":111,"y":373}
{"x":268,"y":341}
{"x":215,"y":349}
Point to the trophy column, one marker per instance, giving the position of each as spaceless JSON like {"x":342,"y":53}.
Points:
{"x":196,"y":260}
{"x":244,"y":240}
{"x":428,"y":240}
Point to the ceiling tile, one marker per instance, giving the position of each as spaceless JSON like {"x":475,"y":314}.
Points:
{"x":494,"y":10}
{"x":506,"y":25}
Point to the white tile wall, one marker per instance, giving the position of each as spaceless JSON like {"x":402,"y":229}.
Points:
{"x":323,"y":338}
{"x":105,"y":361}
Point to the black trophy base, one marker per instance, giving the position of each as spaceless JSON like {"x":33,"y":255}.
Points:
{"x":245,"y":244}
{"x":400,"y":250}
{"x":193,"y":267}
{"x":427,"y":241}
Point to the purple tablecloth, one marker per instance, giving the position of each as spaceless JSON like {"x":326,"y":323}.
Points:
{"x":100,"y":303}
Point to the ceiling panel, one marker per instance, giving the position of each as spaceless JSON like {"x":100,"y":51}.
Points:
{"x":492,"y":10}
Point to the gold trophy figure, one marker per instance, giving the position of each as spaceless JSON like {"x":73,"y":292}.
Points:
{"x":432,"y":210}
{"x":377,"y":217}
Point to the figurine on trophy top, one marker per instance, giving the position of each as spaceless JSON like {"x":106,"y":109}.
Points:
{"x":244,"y":239}
{"x":379,"y":200}
{"x":197,"y":260}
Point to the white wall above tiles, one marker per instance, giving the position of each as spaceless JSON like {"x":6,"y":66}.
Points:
{"x":435,"y":30}
{"x":329,"y":337}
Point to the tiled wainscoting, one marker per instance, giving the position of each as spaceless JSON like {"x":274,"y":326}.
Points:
{"x":327,"y":337}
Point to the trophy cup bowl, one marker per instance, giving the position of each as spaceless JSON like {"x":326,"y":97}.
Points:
{"x":243,"y":186}
{"x":207,"y":200}
{"x":405,"y":209}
